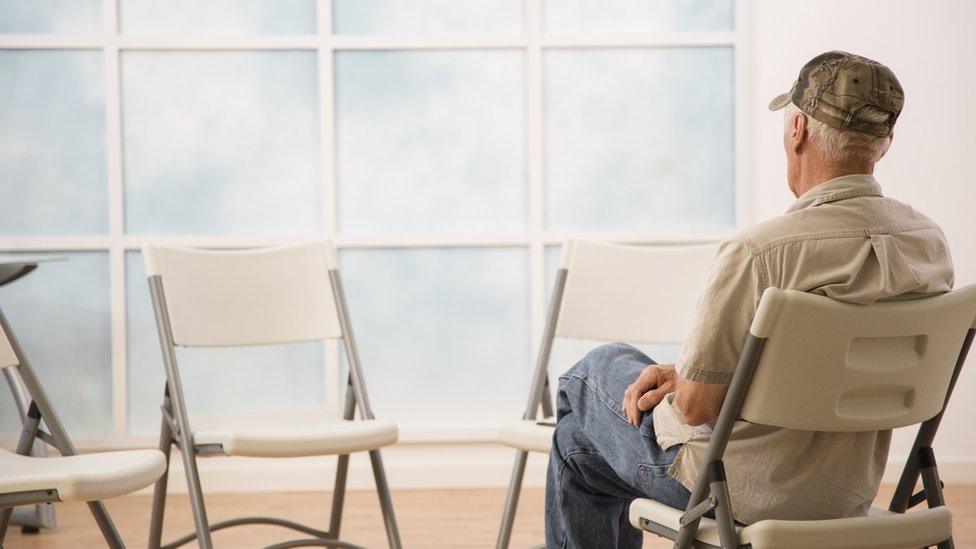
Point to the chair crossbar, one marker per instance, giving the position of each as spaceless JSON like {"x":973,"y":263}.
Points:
{"x":663,"y":531}
{"x":46,"y":437}
{"x":241,"y":521}
{"x":168,"y":418}
{"x":698,"y":511}
{"x":209,"y":450}
{"x":315,"y":543}
{"x":917,"y":497}
{"x":29,"y":497}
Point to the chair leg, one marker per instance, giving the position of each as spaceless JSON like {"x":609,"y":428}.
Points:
{"x":184,"y":439}
{"x":723,"y":510}
{"x":386,"y":501}
{"x":196,"y":496}
{"x":932,"y":485}
{"x":28,"y":434}
{"x":511,"y":501}
{"x":111,"y":535}
{"x":339,"y":495}
{"x":159,"y":491}
{"x":105,"y":524}
{"x":5,"y":515}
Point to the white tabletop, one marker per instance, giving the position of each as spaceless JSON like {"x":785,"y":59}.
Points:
{"x":14,"y":259}
{"x":13,"y":266}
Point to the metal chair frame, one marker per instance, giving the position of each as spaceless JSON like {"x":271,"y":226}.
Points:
{"x":40,"y":408}
{"x":175,"y":430}
{"x":540,"y":402}
{"x":32,"y":519}
{"x":711,"y":492}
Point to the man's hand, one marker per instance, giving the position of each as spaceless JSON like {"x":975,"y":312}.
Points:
{"x":650,"y":388}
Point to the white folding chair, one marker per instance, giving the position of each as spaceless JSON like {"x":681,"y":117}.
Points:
{"x":609,"y":293}
{"x":283,"y":294}
{"x":855,"y":368}
{"x":29,"y":480}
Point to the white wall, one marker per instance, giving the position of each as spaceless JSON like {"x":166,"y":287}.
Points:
{"x":931,"y":47}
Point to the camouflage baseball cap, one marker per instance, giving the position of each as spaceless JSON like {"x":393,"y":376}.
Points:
{"x":847,"y":92}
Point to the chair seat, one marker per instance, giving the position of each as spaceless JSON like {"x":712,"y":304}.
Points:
{"x":85,"y":477}
{"x":527,"y":435}
{"x":880,"y":529}
{"x":291,"y":433}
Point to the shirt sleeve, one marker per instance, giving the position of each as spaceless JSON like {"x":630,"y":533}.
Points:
{"x":725,"y":311}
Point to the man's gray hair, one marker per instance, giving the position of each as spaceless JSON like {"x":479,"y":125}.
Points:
{"x":845,"y":146}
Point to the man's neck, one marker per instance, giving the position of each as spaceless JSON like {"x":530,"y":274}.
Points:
{"x":821,"y":173}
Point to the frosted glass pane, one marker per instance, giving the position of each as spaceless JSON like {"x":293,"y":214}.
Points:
{"x":52,"y":142}
{"x":443,"y":333}
{"x":60,"y":315}
{"x":426,"y":16}
{"x":51,"y":16}
{"x":637,"y":15}
{"x":237,"y":379}
{"x":221,"y":142}
{"x":639,"y":139}
{"x":430,"y":141}
{"x":226,"y":17}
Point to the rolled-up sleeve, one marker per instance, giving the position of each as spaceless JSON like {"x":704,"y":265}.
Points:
{"x":725,"y":310}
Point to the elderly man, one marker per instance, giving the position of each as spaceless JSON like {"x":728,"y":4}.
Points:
{"x":629,"y":428}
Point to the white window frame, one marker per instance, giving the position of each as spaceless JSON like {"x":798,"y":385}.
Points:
{"x":532,"y":42}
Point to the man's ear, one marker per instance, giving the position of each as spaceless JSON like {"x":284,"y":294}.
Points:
{"x":798,"y":131}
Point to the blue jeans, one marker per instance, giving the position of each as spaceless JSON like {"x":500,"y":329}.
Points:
{"x":599,"y":462}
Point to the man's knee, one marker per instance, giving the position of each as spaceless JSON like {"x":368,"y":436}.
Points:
{"x":598,"y":360}
{"x":567,"y":438}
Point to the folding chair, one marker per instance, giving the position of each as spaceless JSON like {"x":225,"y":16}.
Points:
{"x":605,"y":292}
{"x":28,"y":480}
{"x":284,"y":294}
{"x":854,"y":368}
{"x":30,"y":519}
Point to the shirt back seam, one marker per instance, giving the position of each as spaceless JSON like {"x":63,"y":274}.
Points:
{"x":846,"y":233}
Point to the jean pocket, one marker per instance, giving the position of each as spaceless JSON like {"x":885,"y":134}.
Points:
{"x":649,"y":476}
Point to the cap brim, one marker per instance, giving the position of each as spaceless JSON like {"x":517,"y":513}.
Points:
{"x":779,"y":101}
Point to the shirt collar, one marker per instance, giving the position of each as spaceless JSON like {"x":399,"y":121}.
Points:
{"x":839,"y":188}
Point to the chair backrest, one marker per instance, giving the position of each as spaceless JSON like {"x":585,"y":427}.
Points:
{"x":833,"y":366}
{"x":641,"y":294}
{"x":281,"y":294}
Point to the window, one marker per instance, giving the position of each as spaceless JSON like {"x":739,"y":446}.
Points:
{"x":52,"y":132}
{"x":446,"y":146}
{"x":221,"y":142}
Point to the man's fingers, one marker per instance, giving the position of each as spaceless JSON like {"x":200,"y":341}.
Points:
{"x":629,"y":405}
{"x":652,"y":398}
{"x":647,"y":380}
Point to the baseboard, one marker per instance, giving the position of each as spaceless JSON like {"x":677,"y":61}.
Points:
{"x":960,"y":469}
{"x":421,"y":466}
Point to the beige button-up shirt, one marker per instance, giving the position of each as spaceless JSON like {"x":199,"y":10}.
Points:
{"x":842,"y":239}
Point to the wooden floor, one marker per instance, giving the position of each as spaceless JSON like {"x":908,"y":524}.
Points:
{"x":428,"y":518}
